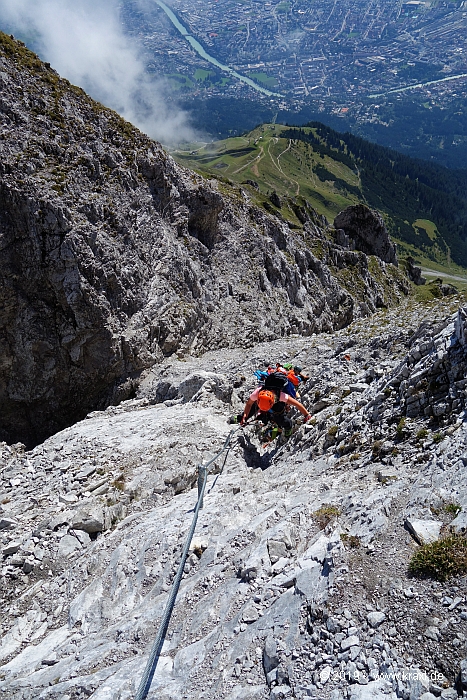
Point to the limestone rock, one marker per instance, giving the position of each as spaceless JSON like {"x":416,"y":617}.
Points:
{"x":459,"y":524}
{"x":432,"y":633}
{"x":424,"y":531}
{"x":463,"y":674}
{"x":349,"y":642}
{"x":68,"y":544}
{"x":367,"y":232}
{"x":276,"y":550}
{"x":90,"y":520}
{"x":318,"y":550}
{"x":414,"y":272}
{"x":385,"y":476}
{"x":270,"y":657}
{"x":250,"y":614}
{"x":7,"y":523}
{"x":375,"y":619}
{"x":10,"y":548}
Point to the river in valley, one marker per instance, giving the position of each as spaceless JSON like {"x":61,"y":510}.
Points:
{"x":207,"y":57}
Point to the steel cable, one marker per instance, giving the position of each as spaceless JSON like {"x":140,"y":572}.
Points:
{"x":151,"y":665}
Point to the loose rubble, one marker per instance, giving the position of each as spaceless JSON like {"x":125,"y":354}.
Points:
{"x":297,"y":581}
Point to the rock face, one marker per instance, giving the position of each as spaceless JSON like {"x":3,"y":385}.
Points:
{"x":367,"y":232}
{"x":297,"y":581}
{"x":414,"y":272}
{"x":430,"y":381}
{"x":112,"y":257}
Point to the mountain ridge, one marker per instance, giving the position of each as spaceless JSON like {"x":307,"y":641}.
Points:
{"x":335,"y":169}
{"x":114,"y":256}
{"x":127,"y":279}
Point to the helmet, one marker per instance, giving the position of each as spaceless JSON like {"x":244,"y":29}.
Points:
{"x":266,"y":399}
{"x":297,"y":369}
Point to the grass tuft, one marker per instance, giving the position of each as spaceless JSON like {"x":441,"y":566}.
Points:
{"x":422,"y":434}
{"x":452,"y":508}
{"x":352,"y":541}
{"x":400,"y":430}
{"x":325,"y":514}
{"x":440,"y":560}
{"x":119,"y":482}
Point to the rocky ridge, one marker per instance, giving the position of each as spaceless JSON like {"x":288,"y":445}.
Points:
{"x":297,"y":583}
{"x":112,"y":257}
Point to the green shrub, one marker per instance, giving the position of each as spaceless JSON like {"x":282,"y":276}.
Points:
{"x":441,"y":559}
{"x":422,"y":433}
{"x":325,"y":514}
{"x":452,"y":508}
{"x":353,"y":541}
{"x":401,"y":427}
{"x":438,"y":437}
{"x":332,"y":432}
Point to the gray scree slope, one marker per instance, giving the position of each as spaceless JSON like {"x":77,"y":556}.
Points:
{"x":112,"y":258}
{"x":275,"y":602}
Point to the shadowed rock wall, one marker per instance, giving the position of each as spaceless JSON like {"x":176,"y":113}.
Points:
{"x":367,"y":232}
{"x":112,"y":256}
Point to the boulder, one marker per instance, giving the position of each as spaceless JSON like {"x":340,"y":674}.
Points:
{"x":414,"y":272}
{"x":68,"y":544}
{"x":349,"y":642}
{"x":7,"y":523}
{"x":463,"y":674}
{"x":270,"y":656}
{"x":367,"y":232}
{"x":91,"y":519}
{"x":459,"y":524}
{"x":11,"y":548}
{"x":375,"y":619}
{"x":424,"y":531}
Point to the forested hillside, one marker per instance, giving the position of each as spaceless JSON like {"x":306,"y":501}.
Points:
{"x":400,"y":186}
{"x":425,"y":205}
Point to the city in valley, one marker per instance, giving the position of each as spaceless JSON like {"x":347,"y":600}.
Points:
{"x":297,"y":48}
{"x":342,"y":57}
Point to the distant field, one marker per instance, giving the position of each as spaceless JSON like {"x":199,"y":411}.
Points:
{"x":427,"y":226}
{"x":202,"y":74}
{"x":177,"y":81}
{"x":264,"y":79}
{"x":277,"y":165}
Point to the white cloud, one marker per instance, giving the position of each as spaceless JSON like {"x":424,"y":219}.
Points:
{"x":84,"y":41}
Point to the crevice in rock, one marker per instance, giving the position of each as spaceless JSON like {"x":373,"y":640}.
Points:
{"x":252,"y":456}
